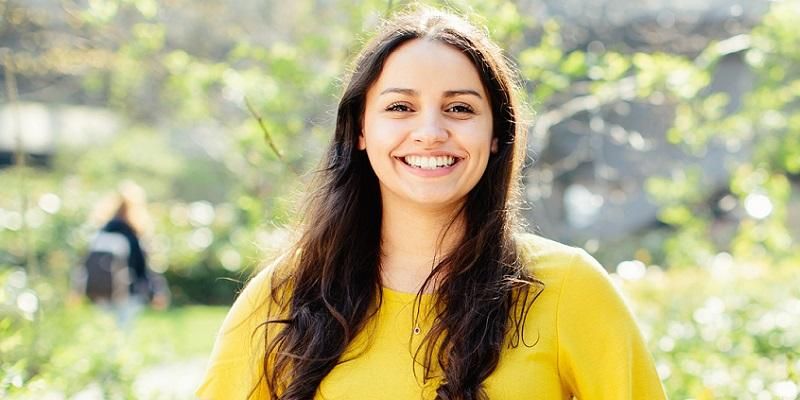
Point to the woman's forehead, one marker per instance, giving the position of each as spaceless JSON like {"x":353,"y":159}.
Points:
{"x":423,"y":66}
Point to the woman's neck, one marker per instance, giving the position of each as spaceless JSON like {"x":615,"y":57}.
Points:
{"x":412,"y":243}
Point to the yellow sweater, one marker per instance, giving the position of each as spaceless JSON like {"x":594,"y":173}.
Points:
{"x":587,"y":344}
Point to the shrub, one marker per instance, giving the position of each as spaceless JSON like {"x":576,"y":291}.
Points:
{"x":730,"y":330}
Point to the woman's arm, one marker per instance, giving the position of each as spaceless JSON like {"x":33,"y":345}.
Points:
{"x":601,"y":354}
{"x":236,"y":363}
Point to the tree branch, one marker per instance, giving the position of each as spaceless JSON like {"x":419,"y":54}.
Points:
{"x":267,"y":136}
{"x":624,"y":88}
{"x":540,"y":134}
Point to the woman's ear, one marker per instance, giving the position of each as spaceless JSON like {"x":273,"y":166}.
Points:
{"x":494,"y":145}
{"x":362,"y":142}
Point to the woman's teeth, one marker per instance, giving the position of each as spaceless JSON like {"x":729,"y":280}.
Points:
{"x":429,"y":162}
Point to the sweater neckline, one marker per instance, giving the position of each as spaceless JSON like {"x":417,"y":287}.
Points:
{"x":405,"y":297}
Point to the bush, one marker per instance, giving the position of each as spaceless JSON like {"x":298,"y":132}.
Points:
{"x":48,"y":346}
{"x":730,"y":330}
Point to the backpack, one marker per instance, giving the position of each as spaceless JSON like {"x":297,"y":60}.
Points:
{"x":107,"y":277}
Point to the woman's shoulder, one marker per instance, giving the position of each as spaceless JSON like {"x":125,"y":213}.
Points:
{"x":534,"y":246}
{"x":236,"y":340}
{"x":589,"y":309}
{"x":550,"y":260}
{"x":235,"y":364}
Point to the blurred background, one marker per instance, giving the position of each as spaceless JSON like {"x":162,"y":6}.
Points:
{"x":666,"y":141}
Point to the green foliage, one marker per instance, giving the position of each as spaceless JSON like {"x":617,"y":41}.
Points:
{"x":659,"y":71}
{"x":47,"y":347}
{"x":767,"y":119}
{"x":726,"y":330}
{"x":545,"y":67}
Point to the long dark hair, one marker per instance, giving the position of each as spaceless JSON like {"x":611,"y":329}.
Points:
{"x":331,"y":287}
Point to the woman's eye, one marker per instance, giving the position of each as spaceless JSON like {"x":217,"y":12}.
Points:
{"x":399,"y":107}
{"x":460,"y":108}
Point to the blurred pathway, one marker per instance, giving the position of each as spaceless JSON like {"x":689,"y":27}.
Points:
{"x":171,"y":381}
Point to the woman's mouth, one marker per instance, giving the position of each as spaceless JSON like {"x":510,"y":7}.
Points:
{"x":429,"y":162}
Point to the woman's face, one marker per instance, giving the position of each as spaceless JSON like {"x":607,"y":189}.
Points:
{"x":427,"y":126}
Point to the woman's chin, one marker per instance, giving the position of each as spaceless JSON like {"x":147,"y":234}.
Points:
{"x":435,"y":200}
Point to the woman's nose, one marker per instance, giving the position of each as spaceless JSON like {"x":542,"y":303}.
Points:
{"x":431,"y":130}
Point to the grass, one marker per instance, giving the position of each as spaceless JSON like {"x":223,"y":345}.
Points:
{"x":178,"y":333}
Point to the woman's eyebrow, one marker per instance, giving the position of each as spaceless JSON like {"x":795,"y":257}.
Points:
{"x":408,"y":92}
{"x":447,"y":93}
{"x":460,"y":92}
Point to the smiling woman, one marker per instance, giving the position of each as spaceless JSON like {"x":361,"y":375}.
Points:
{"x":412,"y":278}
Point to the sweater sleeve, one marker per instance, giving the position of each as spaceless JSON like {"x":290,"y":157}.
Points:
{"x":601,"y":352}
{"x":235,"y":366}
